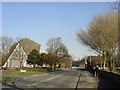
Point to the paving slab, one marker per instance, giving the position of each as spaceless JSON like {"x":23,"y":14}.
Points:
{"x":87,"y":80}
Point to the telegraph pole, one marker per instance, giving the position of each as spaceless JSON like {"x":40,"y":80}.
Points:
{"x":90,"y":59}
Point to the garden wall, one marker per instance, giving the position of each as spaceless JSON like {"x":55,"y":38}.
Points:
{"x":114,"y":77}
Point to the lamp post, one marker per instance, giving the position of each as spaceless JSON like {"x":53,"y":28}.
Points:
{"x":85,"y":61}
{"x":90,"y":56}
{"x":90,"y":59}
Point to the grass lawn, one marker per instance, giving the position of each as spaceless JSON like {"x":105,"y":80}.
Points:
{"x":61,"y":68}
{"x":5,"y":78}
{"x":116,"y":72}
{"x":18,"y":72}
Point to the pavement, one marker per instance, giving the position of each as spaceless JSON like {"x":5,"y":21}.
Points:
{"x":73,"y":78}
{"x":87,"y":80}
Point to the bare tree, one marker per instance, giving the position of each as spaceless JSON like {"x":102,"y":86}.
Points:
{"x":6,"y":43}
{"x":53,"y":44}
{"x":18,"y":39}
{"x":102,"y":35}
{"x":116,"y":4}
{"x":0,"y":59}
{"x":57,"y":51}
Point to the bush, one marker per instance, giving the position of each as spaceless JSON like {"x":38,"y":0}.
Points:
{"x":36,"y":69}
{"x":5,"y":68}
{"x":29,"y":69}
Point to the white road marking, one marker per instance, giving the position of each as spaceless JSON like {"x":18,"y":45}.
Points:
{"x":45,"y":80}
{"x":51,"y":78}
{"x":28,"y":78}
{"x":25,"y":78}
{"x":32,"y":84}
{"x":36,"y":75}
{"x":40,"y":75}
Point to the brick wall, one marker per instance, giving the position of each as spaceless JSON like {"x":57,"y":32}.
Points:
{"x":114,"y":77}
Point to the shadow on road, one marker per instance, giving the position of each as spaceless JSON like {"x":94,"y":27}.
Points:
{"x":82,"y":69}
{"x":11,"y":86}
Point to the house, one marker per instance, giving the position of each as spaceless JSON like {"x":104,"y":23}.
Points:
{"x":76,"y":63}
{"x":19,"y":52}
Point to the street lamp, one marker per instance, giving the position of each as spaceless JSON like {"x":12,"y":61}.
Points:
{"x":90,"y":59}
{"x":90,"y":56}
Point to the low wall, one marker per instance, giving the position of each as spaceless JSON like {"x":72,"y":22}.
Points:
{"x":114,"y":77}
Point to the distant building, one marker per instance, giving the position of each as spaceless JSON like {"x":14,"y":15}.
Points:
{"x":18,"y":53}
{"x":75,"y":63}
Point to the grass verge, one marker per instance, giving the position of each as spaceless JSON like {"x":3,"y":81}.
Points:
{"x":62,"y":68}
{"x":5,"y":78}
{"x":116,"y":72}
{"x":18,"y":72}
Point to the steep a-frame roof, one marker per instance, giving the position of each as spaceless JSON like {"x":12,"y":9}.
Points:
{"x":27,"y":44}
{"x":5,"y":58}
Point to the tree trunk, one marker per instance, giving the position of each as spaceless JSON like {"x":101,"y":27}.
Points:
{"x":53,"y":67}
{"x":101,"y":64}
{"x":34,"y":65}
{"x":111,"y":64}
{"x":104,"y":63}
{"x":20,"y":64}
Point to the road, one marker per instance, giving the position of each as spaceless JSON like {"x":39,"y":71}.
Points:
{"x":58,"y":79}
{"x":71,"y":79}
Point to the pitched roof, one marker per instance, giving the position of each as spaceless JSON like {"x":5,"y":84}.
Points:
{"x":27,"y":44}
{"x":5,"y":57}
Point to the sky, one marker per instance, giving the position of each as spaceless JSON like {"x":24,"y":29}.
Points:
{"x":41,"y":21}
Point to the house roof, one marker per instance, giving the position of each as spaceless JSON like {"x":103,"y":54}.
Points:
{"x":27,"y":44}
{"x":5,"y":57}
